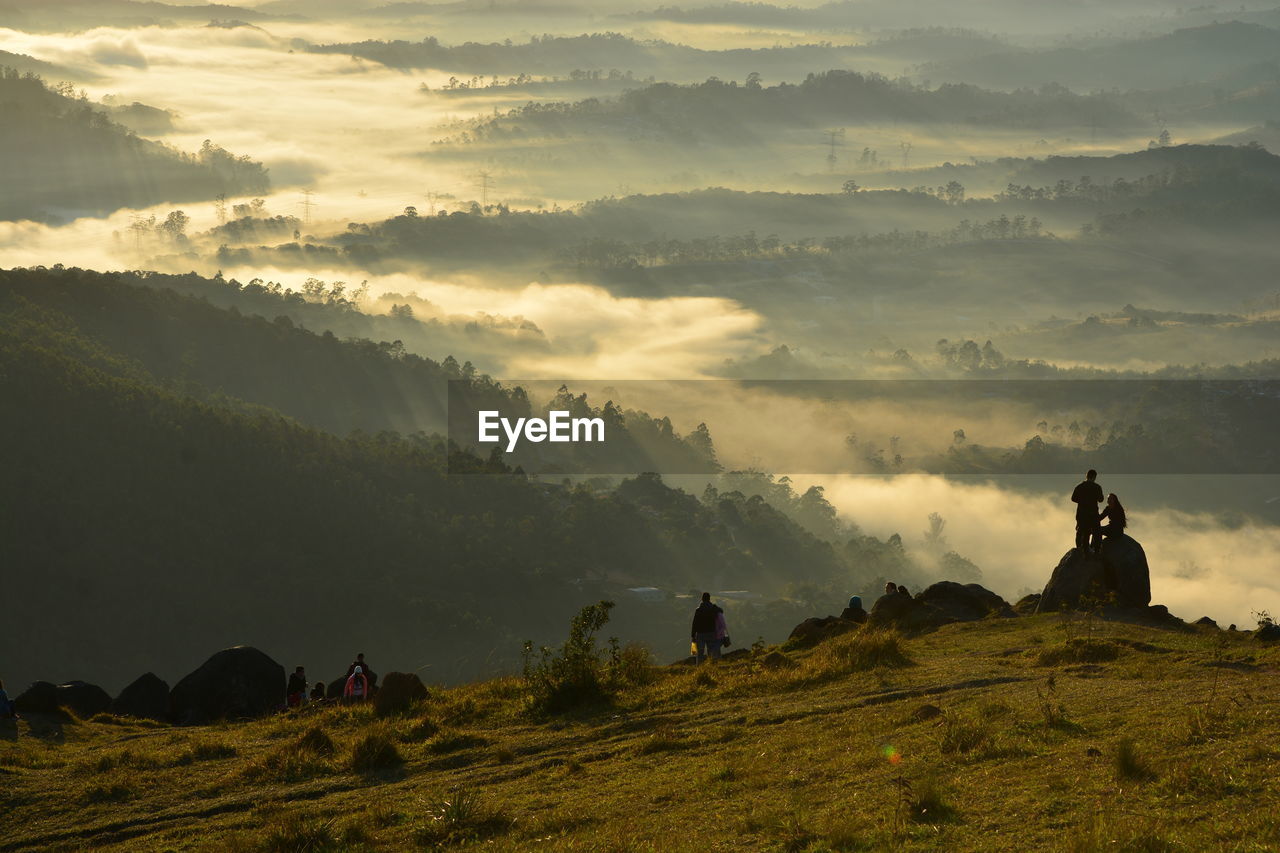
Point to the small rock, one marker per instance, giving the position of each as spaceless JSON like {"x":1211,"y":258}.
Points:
{"x":925,"y":712}
{"x":778,"y":660}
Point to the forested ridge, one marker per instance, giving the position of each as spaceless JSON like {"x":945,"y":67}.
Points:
{"x":161,"y":518}
{"x":63,"y":154}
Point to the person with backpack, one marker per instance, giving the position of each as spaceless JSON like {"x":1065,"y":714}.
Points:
{"x":705,"y":621}
{"x":364,"y":667}
{"x":357,"y":689}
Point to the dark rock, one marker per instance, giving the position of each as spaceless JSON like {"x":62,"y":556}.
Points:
{"x":336,"y":688}
{"x":854,"y":614}
{"x":814,"y":630}
{"x":892,"y":609}
{"x":942,"y":603}
{"x":40,"y":698}
{"x":925,"y":712}
{"x":736,"y":654}
{"x":1119,"y":575}
{"x":689,"y":661}
{"x":778,"y":660}
{"x":1206,"y":622}
{"x":400,"y":691}
{"x":967,"y":602}
{"x":235,"y":683}
{"x":1268,"y":632}
{"x":1027,"y":605}
{"x":84,"y":699}
{"x":146,"y":698}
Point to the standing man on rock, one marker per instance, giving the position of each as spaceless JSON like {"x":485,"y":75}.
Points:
{"x":1086,"y":497}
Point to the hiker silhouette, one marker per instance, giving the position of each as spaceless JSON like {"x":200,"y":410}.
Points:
{"x":1086,"y":497}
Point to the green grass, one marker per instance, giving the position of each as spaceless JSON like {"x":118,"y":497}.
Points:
{"x":1043,"y":743}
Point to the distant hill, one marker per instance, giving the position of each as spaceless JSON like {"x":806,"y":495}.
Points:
{"x":727,"y":114}
{"x":1187,"y":55}
{"x":61,"y":15}
{"x":63,"y":156}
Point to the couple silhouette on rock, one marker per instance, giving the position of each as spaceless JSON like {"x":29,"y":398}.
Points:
{"x":1089,"y":527}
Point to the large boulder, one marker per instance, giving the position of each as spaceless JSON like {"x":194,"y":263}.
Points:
{"x":84,"y":699}
{"x":40,"y":698}
{"x":147,"y":697}
{"x":814,"y":630}
{"x":235,"y":683}
{"x":963,"y":602}
{"x":1118,"y":576}
{"x":399,"y":692}
{"x":893,"y":609}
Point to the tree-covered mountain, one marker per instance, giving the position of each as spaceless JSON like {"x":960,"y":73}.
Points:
{"x":65,"y":157}
{"x":163,"y":517}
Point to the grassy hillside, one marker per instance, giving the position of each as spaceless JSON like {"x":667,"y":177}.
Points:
{"x":1054,"y":732}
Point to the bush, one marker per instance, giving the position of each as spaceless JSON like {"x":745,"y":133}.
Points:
{"x":461,"y":816}
{"x":305,"y":758}
{"x":1078,"y":650}
{"x":1129,"y":764}
{"x":575,"y":676}
{"x":296,"y":834}
{"x":965,"y":734}
{"x":375,"y":753}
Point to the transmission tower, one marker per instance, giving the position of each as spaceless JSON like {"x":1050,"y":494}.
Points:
{"x":306,"y":205}
{"x":484,"y":178}
{"x":835,"y":138}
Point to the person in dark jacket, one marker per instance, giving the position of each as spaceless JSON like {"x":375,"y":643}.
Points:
{"x":1086,"y":497}
{"x":317,"y":692}
{"x":296,"y":692}
{"x":1114,"y":513}
{"x":703,"y":632}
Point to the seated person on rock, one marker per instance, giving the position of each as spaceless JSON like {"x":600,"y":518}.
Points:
{"x":1115,"y":514}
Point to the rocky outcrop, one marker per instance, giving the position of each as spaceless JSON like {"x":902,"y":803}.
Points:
{"x":236,"y":683}
{"x":147,"y":697}
{"x":957,"y":602}
{"x":82,"y":698}
{"x":40,"y":698}
{"x":1027,"y":605}
{"x":399,"y":692}
{"x":1117,"y":577}
{"x":814,"y":630}
{"x":942,"y":603}
{"x":1268,"y":632}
